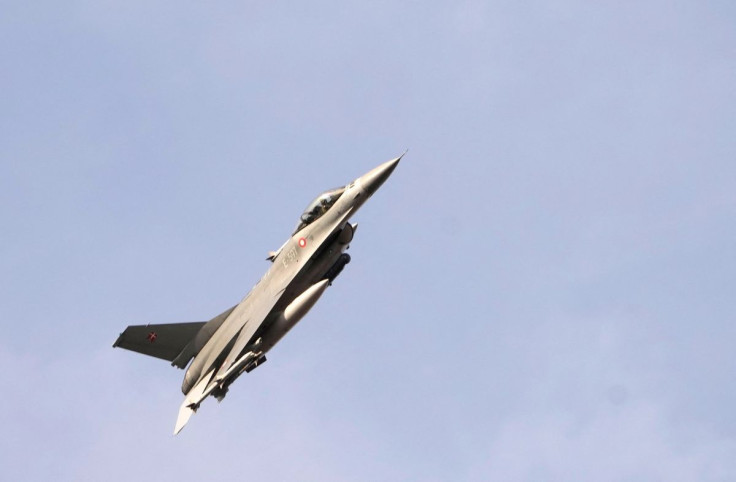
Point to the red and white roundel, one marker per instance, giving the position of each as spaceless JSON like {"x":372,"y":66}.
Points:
{"x":302,"y":243}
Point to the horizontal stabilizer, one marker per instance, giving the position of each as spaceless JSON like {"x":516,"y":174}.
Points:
{"x":162,"y":341}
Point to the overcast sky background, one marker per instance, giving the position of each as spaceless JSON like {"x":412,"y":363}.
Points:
{"x":543,"y":290}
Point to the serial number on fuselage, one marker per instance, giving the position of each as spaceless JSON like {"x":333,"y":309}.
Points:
{"x":289,"y":257}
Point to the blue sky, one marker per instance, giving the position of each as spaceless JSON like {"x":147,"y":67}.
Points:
{"x":544,"y":289}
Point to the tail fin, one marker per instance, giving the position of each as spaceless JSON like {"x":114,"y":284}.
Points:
{"x":191,"y":401}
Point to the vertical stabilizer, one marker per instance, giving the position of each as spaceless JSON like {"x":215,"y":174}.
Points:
{"x":191,"y":402}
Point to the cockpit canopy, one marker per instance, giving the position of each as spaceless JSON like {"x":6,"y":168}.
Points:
{"x":318,"y":207}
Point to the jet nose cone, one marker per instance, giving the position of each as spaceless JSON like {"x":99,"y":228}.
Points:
{"x":373,"y":179}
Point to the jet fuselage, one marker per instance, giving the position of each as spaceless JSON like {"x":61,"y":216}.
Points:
{"x":237,"y":340}
{"x":313,"y":253}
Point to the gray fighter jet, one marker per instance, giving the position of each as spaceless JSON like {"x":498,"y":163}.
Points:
{"x":237,"y":340}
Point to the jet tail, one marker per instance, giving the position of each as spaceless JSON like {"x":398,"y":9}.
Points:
{"x":205,"y":387}
{"x":192,"y":401}
{"x":185,"y":413}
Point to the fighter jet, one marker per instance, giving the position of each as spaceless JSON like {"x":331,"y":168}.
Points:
{"x":236,"y":341}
